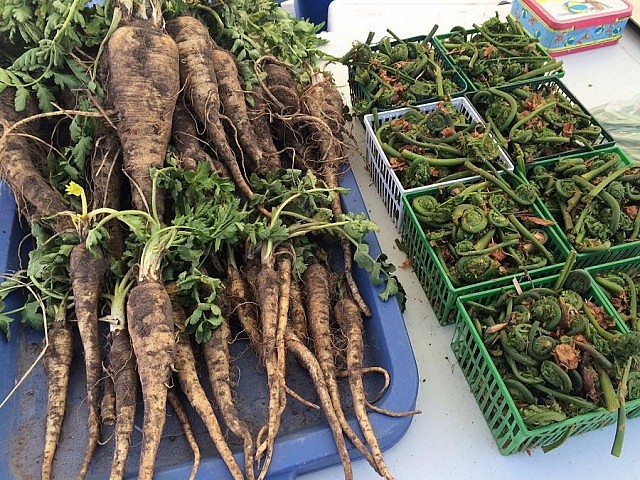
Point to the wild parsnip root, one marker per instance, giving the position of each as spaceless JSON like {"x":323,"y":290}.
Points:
{"x":310,"y":362}
{"x":281,"y":93}
{"x":122,"y":371}
{"x":87,"y":270}
{"x":234,"y":106}
{"x":297,"y":314}
{"x":186,"y":139}
{"x":35,"y":197}
{"x":246,"y":311}
{"x":280,"y":86}
{"x":150,"y":325}
{"x":198,"y":76}
{"x":107,"y":180}
{"x":323,"y":101}
{"x":260,"y":118}
{"x":318,"y":303}
{"x":143,"y":84}
{"x":348,"y":317}
{"x":108,"y":402}
{"x":247,"y":314}
{"x":57,"y":365}
{"x":183,"y":418}
{"x":218,"y":360}
{"x":185,"y":367}
{"x":283,"y":263}
{"x":266,"y":292}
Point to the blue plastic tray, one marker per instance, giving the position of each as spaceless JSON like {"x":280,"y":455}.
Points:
{"x":305,"y":442}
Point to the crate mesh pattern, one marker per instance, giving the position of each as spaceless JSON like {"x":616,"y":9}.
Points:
{"x":494,"y":400}
{"x":385,"y":179}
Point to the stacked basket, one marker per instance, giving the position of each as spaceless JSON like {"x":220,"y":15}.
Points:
{"x":576,"y":151}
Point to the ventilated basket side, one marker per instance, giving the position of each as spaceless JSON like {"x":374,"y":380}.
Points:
{"x":492,"y":396}
{"x":432,"y":274}
{"x":385,"y":179}
{"x":587,"y":259}
{"x":427,"y":267}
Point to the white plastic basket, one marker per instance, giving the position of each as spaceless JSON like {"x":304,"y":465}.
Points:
{"x":385,"y":179}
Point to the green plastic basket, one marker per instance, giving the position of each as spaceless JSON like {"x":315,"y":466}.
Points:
{"x":496,"y":404}
{"x":587,"y":259}
{"x":604,"y":139}
{"x":440,"y":40}
{"x":630,"y":266}
{"x":440,"y":291}
{"x":358,"y":92}
{"x":386,"y":180}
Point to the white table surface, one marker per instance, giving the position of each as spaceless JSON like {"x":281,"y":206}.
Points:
{"x":450,"y":439}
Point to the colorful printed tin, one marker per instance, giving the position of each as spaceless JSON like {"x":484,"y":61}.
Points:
{"x":574,"y":25}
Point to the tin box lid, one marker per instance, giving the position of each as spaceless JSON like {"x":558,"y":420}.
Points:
{"x":579,"y":13}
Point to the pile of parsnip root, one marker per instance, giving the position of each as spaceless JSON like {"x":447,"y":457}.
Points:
{"x":180,"y":197}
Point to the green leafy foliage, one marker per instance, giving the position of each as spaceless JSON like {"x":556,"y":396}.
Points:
{"x":202,"y":291}
{"x":300,"y":206}
{"x":47,"y":275}
{"x":204,"y":206}
{"x":253,"y":28}
{"x":203,"y":213}
{"x":380,"y":273}
{"x":43,"y":37}
{"x":9,"y":285}
{"x":71,"y":165}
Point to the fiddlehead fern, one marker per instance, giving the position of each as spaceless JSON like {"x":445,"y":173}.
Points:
{"x":577,"y":324}
{"x":471,"y":219}
{"x":480,"y":146}
{"x":565,"y":187}
{"x":497,"y":219}
{"x":578,"y":281}
{"x":547,"y":311}
{"x":539,"y":346}
{"x":555,"y":376}
{"x":540,"y":416}
{"x":594,"y":206}
{"x":617,"y":190}
{"x":520,"y":314}
{"x":425,"y":205}
{"x":476,"y":268}
{"x":571,"y":297}
{"x":519,"y":391}
{"x":437,"y":120}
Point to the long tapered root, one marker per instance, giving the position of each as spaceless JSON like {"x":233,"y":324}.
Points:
{"x":348,"y":318}
{"x":267,"y":289}
{"x":217,"y":358}
{"x":318,"y":302}
{"x":150,"y":325}
{"x":185,"y":367}
{"x":35,"y":197}
{"x":143,"y":59}
{"x":309,"y":361}
{"x":122,"y":370}
{"x":57,"y":364}
{"x":183,"y":418}
{"x":87,"y":270}
{"x":198,"y":76}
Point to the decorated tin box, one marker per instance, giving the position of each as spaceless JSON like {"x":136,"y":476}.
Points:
{"x":570,"y":26}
